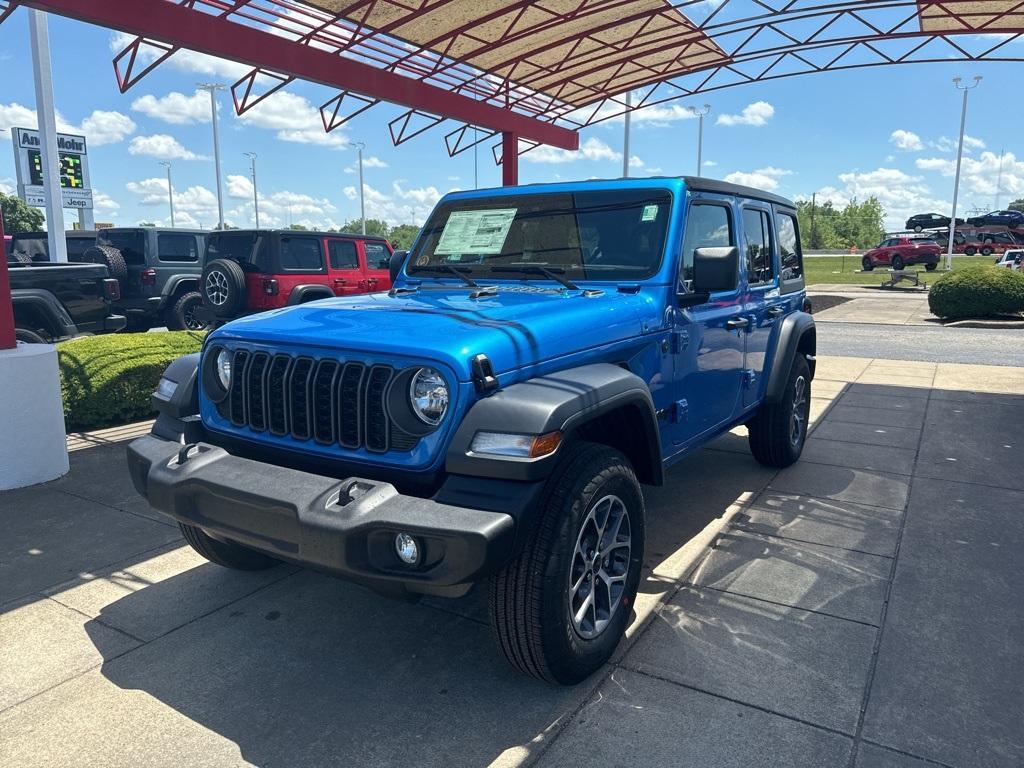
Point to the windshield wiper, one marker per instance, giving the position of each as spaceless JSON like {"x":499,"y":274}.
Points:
{"x":457,"y":271}
{"x":552,"y":273}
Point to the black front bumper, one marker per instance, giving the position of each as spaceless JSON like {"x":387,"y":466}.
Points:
{"x":347,"y":527}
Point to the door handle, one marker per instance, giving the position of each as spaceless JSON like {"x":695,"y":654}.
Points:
{"x":776,"y":311}
{"x":736,"y":323}
{"x":339,"y":281}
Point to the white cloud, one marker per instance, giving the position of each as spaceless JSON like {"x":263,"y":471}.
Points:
{"x":294,"y":119}
{"x":104,"y":203}
{"x":162,"y":147}
{"x":239,"y":187}
{"x":900,"y":194}
{"x":591,"y":149}
{"x":175,"y":107}
{"x":7,"y":186}
{"x":278,"y":208}
{"x":196,"y":199}
{"x":756,"y":114}
{"x":101,"y":127}
{"x":908,"y":141}
{"x":763,"y":178}
{"x":403,"y":206}
{"x":945,"y":144}
{"x":979,"y":175}
{"x":184,"y":60}
{"x":709,"y":163}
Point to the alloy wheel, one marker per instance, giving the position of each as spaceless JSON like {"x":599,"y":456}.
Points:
{"x":217,"y":288}
{"x":599,"y":567}
{"x":799,"y":418}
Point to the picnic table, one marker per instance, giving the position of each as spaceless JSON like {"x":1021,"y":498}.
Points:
{"x":896,"y":277}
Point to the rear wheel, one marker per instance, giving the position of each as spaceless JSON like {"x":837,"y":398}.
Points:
{"x":560,"y":606}
{"x":779,"y":430}
{"x":970,"y":250}
{"x":182,"y":316}
{"x":223,"y":287}
{"x":931,"y":267}
{"x":225,"y":553}
{"x":866,"y":264}
{"x":897,"y":263}
{"x":29,"y":337}
{"x":986,"y":251}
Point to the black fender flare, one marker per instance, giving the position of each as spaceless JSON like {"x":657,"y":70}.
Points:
{"x":795,"y":327}
{"x":302,"y":293}
{"x":177,"y":282}
{"x":566,"y":401}
{"x":185,"y":400}
{"x":48,"y":306}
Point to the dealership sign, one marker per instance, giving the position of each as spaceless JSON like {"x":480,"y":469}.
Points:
{"x":74,"y":168}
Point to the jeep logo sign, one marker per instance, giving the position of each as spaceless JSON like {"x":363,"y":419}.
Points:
{"x":72,"y":169}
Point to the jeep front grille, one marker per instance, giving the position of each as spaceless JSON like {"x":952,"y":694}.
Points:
{"x":333,"y":402}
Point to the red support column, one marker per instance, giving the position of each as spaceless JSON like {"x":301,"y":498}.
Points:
{"x":7,"y":338}
{"x":509,"y":159}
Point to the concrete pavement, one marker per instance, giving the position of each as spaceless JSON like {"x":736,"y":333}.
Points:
{"x":860,"y":608}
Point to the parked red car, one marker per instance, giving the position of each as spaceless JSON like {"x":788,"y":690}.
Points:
{"x":247,"y":271}
{"x":900,"y":252}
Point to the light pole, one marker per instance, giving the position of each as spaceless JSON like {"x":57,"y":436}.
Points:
{"x":255,"y":194}
{"x":959,"y":160}
{"x":213,"y":88}
{"x":170,"y":190}
{"x":625,"y":135}
{"x":362,"y":209}
{"x":700,"y":113}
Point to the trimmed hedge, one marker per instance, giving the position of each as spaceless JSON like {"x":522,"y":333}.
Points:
{"x":107,"y":380}
{"x":980,"y":291}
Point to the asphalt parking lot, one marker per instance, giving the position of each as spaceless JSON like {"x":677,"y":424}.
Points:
{"x":860,"y":608}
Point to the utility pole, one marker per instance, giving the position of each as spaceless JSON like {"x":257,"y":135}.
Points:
{"x":360,"y":146}
{"x":959,"y":161}
{"x":700,"y":113}
{"x":814,"y":231}
{"x":255,"y":194}
{"x":42,"y":74}
{"x":170,"y":190}
{"x":625,"y":135}
{"x":999,"y":179}
{"x":213,"y":88}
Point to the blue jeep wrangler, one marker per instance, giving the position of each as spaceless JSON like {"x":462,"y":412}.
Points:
{"x":544,"y":351}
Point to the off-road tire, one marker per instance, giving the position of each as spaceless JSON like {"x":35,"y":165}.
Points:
{"x":111,"y":258}
{"x":931,"y":267}
{"x":225,"y":553}
{"x":530,"y":595}
{"x":21,"y":257}
{"x":181,"y":317}
{"x":866,"y":264}
{"x":29,"y":337}
{"x":223,"y":287}
{"x":770,"y":431}
{"x":896,"y":262}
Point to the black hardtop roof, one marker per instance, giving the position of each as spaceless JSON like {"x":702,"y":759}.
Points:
{"x":316,"y":233}
{"x":67,"y":233}
{"x":175,"y":230}
{"x":700,"y":184}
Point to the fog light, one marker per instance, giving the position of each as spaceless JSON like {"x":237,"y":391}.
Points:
{"x":407,"y":548}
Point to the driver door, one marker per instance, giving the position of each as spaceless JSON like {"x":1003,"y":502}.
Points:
{"x":709,"y":339}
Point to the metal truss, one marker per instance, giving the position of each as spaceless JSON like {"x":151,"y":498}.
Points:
{"x":572,"y":69}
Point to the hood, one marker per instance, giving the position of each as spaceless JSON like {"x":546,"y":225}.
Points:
{"x":514,"y":328}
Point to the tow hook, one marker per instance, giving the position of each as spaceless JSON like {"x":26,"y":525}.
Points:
{"x":184,"y":451}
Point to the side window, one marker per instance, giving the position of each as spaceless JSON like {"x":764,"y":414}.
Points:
{"x":301,"y":254}
{"x":377,"y":256}
{"x":342,"y":254}
{"x":170,"y":247}
{"x":789,"y":247}
{"x":708,"y":225}
{"x":757,"y":234}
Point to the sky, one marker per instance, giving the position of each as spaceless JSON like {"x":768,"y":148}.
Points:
{"x":884,"y":131}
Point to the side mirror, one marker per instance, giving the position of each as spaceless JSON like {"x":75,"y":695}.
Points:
{"x":716,"y":269}
{"x":396,"y":262}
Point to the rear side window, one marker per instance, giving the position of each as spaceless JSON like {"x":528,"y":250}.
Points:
{"x":77,"y":246}
{"x":171,"y":247}
{"x":789,"y":247}
{"x":342,"y":254}
{"x":708,"y":225}
{"x":757,"y":234}
{"x":246,"y":250}
{"x":132,"y":245}
{"x":377,"y":256}
{"x":301,"y":254}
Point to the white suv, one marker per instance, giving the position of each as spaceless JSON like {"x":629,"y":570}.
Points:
{"x":1011,"y":259}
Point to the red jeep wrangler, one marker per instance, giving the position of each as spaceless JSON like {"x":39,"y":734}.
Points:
{"x":247,"y":271}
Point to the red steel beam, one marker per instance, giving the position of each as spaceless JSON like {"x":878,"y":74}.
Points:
{"x":185,"y":27}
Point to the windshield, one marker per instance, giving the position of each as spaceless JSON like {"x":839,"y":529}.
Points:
{"x":593,"y":235}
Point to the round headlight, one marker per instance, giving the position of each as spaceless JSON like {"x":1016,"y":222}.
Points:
{"x":224,"y":369}
{"x":428,"y":395}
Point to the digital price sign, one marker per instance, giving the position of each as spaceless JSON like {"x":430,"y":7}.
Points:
{"x":75,"y":189}
{"x":72,"y":175}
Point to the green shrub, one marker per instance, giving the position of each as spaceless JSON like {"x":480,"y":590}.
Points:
{"x":981,"y":291}
{"x":107,"y":380}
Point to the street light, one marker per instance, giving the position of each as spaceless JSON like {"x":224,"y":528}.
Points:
{"x":959,"y":160}
{"x":362,"y":209}
{"x":700,"y":113}
{"x":625,"y":135}
{"x":255,"y":194}
{"x":213,"y":88}
{"x":170,"y":190}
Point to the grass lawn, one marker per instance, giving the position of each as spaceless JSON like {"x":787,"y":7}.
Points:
{"x":840,"y":269}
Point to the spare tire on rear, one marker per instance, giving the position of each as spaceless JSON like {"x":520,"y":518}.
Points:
{"x":223,"y":287}
{"x":111,"y":258}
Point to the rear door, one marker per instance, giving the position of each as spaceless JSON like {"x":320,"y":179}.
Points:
{"x":302,"y":263}
{"x":763,"y":302}
{"x":377,"y":258}
{"x":347,"y":278}
{"x":177,"y":253}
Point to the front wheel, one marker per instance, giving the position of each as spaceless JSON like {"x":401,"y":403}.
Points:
{"x":182,"y":316}
{"x":931,"y":267}
{"x":897,"y":263}
{"x":867,"y":264}
{"x":986,"y":251}
{"x":225,"y":553}
{"x":560,"y":606}
{"x":779,"y":430}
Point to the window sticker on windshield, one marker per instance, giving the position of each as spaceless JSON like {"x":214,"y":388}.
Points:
{"x":476,"y":231}
{"x":650,"y":213}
